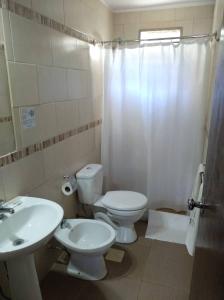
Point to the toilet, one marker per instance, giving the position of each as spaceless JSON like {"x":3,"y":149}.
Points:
{"x":120,"y":209}
{"x":87,"y":241}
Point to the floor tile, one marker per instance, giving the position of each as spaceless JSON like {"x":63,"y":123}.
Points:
{"x":169,"y":264}
{"x":141,"y":228}
{"x":58,"y":286}
{"x":133,"y":263}
{"x":115,"y":289}
{"x":151,"y":291}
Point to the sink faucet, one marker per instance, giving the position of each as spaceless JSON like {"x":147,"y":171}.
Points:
{"x":5,"y":209}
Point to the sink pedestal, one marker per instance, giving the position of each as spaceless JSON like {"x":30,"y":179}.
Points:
{"x":23,"y":280}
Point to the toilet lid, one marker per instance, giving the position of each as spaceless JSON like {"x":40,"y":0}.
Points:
{"x":124,"y":200}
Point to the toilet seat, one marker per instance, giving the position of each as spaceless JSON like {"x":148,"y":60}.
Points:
{"x":124,"y":201}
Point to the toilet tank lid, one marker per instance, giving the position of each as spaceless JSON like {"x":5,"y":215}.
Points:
{"x":89,"y":171}
{"x":124,"y":200}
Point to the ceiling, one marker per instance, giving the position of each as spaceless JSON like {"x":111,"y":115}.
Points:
{"x":122,"y":5}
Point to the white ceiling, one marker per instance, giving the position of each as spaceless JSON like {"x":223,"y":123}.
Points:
{"x":122,"y":5}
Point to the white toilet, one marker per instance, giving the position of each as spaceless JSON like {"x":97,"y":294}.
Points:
{"x":120,"y":209}
{"x":87,"y":241}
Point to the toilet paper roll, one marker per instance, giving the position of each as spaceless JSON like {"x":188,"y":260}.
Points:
{"x":70,"y":186}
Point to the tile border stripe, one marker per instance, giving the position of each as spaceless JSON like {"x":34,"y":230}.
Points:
{"x":40,"y":146}
{"x":5,"y":119}
{"x":30,"y":14}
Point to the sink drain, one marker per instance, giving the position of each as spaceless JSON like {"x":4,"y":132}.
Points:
{"x":18,"y":242}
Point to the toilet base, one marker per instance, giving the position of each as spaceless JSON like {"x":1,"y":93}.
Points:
{"x":126,"y":234}
{"x":88,"y":267}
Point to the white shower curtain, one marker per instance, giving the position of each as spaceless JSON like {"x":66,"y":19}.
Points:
{"x":154,"y":115}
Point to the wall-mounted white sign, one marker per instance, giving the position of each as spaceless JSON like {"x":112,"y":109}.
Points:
{"x":28,"y":117}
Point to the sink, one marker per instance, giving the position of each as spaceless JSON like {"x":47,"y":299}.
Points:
{"x":21,"y":233}
{"x":32,"y":225}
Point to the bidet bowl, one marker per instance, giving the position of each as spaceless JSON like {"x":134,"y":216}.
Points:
{"x":86,"y":236}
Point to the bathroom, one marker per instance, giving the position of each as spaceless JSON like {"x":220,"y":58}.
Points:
{"x":123,"y":93}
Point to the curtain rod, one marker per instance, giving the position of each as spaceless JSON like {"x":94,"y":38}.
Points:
{"x":215,"y":35}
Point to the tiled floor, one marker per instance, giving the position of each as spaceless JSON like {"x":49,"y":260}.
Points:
{"x":151,"y":270}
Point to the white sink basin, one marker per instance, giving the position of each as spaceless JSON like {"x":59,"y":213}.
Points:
{"x":31,"y":226}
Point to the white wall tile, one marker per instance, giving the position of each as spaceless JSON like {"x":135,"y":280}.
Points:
{"x":31,"y":41}
{"x":23,"y":84}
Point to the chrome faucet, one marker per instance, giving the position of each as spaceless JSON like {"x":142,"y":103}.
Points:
{"x":5,"y":209}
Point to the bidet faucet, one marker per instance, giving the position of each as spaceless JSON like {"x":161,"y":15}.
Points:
{"x":5,"y":209}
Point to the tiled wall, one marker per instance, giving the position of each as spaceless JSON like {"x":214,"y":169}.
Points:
{"x":193,"y":20}
{"x":7,"y":143}
{"x":60,"y":77}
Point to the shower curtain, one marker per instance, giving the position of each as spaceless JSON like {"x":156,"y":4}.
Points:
{"x":155,"y":103}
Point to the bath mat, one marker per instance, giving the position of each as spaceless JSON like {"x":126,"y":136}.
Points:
{"x":115,"y":255}
{"x":166,"y":226}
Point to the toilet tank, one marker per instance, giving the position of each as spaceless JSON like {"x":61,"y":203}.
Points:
{"x":90,"y":183}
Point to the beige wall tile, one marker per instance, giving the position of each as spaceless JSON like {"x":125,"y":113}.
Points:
{"x":53,"y":9}
{"x":202,"y":26}
{"x":7,"y":35}
{"x":70,"y":153}
{"x":31,"y":41}
{"x":47,"y":120}
{"x":26,"y":3}
{"x":127,"y":25}
{"x":52,"y":84}
{"x":23,"y":175}
{"x":51,"y":190}
{"x":157,"y":15}
{"x":74,"y":14}
{"x":204,"y":12}
{"x":187,"y":26}
{"x":52,"y":161}
{"x":23,"y":84}
{"x":2,"y":189}
{"x":67,"y":115}
{"x":131,"y":31}
{"x":184,"y":13}
{"x":84,"y":144}
{"x":85,"y":111}
{"x":118,"y":31}
{"x":77,"y":84}
{"x":62,"y":47}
